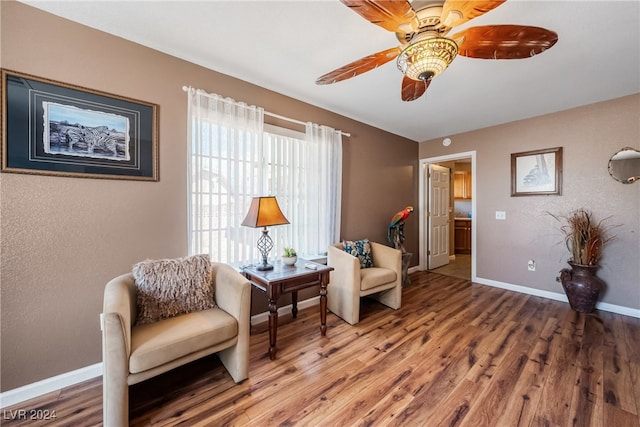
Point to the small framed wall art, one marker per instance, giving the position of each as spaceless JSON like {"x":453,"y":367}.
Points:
{"x":537,"y":172}
{"x":54,"y":128}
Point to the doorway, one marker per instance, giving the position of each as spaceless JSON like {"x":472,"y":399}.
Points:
{"x":460,"y":264}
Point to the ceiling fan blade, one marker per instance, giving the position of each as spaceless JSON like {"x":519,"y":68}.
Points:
{"x":457,"y":12}
{"x":413,"y":89}
{"x":504,"y":41}
{"x":395,"y":16}
{"x":360,"y":66}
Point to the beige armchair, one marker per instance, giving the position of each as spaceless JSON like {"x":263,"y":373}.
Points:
{"x":348,"y":282}
{"x":132,"y":354}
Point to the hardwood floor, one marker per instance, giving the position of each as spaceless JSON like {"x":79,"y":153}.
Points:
{"x":455,"y":354}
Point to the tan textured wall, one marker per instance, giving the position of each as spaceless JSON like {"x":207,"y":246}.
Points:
{"x":589,"y":136}
{"x":64,"y":238}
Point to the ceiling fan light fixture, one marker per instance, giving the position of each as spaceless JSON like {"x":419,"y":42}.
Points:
{"x":425,"y":59}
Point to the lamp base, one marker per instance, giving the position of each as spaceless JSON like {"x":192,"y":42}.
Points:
{"x":264,"y":267}
{"x":264,"y":246}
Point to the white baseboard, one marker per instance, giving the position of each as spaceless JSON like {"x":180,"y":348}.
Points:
{"x":604,"y":306}
{"x":414,"y":269}
{"x":30,"y":391}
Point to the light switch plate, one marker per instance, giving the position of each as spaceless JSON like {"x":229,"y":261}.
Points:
{"x":501,"y":215}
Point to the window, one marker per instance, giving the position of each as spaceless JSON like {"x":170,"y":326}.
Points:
{"x":233,"y":157}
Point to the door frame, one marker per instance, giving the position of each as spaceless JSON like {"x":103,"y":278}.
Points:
{"x":423,"y":203}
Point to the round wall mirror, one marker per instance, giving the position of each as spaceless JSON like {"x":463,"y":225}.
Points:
{"x":624,"y":166}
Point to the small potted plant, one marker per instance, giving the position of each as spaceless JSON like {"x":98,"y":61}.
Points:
{"x":585,"y":239}
{"x":289,"y":256}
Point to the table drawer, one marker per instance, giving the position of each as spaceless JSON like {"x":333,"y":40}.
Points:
{"x":297,"y":283}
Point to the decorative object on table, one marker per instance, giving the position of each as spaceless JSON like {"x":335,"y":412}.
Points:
{"x":624,"y":166}
{"x":289,"y":256}
{"x":537,"y":172}
{"x":585,"y":238}
{"x":54,"y":128}
{"x":264,"y":212}
{"x":395,"y":234}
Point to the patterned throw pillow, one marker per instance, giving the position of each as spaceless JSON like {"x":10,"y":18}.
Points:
{"x":170,"y":287}
{"x":360,"y":249}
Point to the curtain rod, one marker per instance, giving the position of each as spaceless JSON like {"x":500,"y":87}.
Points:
{"x":278,"y":116}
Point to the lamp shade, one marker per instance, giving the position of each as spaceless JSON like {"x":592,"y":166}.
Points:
{"x":263,"y":212}
{"x":427,"y":58}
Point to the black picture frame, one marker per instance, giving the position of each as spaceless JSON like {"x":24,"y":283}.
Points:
{"x":55,"y":128}
{"x":537,"y":172}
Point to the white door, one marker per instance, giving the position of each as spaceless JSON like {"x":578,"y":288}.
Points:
{"x":438,"y":216}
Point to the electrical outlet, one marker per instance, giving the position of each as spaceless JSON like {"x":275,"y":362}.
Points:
{"x":531,"y":265}
{"x":501,"y":215}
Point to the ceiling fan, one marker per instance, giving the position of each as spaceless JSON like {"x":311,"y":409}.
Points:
{"x":425,"y":52}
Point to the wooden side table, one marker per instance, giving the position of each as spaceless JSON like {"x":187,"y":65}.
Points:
{"x":283,"y":279}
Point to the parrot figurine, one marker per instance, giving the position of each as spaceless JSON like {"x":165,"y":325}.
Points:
{"x":396,"y":227}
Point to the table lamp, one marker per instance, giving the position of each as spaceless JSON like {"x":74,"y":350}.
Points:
{"x":264,"y":212}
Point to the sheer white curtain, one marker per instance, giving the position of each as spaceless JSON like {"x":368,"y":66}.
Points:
{"x":306,"y":177}
{"x":232,"y":159}
{"x":324,"y":194}
{"x":225,"y":171}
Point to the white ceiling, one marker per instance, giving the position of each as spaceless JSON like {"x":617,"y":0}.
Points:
{"x":285,"y":45}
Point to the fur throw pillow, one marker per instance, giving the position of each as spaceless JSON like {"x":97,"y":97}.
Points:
{"x":170,"y":287}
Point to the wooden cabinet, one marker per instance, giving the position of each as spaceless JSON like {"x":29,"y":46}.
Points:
{"x":462,"y":184}
{"x":462,"y":236}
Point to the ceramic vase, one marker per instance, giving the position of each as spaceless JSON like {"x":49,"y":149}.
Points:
{"x":582,"y":286}
{"x":290,"y":260}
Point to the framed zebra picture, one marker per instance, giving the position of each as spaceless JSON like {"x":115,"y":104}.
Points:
{"x":54,"y":128}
